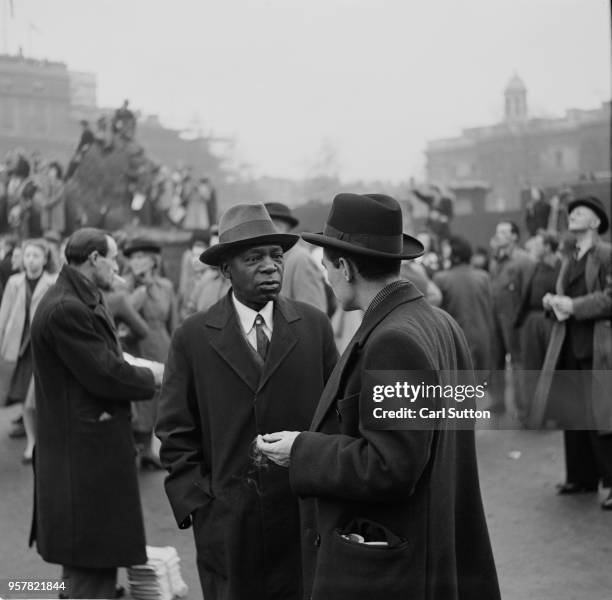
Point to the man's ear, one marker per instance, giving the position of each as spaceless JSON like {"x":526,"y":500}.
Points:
{"x":347,"y":269}
{"x":93,"y":256}
{"x":224,"y":267}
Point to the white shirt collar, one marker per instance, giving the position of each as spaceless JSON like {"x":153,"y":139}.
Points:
{"x":246,"y":315}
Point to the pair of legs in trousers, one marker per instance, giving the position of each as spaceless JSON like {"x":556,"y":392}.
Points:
{"x":588,"y":455}
{"x":89,"y":583}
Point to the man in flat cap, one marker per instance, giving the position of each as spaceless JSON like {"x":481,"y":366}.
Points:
{"x":302,"y":278}
{"x":582,"y":341}
{"x":254,"y":362}
{"x":398,"y":509}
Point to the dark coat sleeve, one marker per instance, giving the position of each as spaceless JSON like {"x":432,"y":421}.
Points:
{"x":187,"y":483}
{"x":380,"y":466}
{"x":85,"y":352}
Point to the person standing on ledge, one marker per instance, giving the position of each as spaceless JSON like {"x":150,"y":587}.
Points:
{"x":413,"y":493}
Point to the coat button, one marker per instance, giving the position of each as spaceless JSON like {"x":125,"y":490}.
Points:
{"x":317,"y":541}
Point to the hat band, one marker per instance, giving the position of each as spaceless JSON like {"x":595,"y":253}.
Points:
{"x":247,"y":230}
{"x":391,"y":244}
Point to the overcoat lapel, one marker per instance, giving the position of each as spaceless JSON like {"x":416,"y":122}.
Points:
{"x":407,"y":293}
{"x":43,"y":285}
{"x":592,"y":269}
{"x":330,"y":392}
{"x":230,"y":344}
{"x":283,"y":339}
{"x":104,"y":315}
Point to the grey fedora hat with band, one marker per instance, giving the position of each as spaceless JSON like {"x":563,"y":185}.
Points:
{"x":245,"y":225}
{"x":368,"y":225}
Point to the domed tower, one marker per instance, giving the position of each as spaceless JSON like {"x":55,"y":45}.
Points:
{"x":515,"y":97}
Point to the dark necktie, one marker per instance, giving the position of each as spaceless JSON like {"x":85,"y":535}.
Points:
{"x":262,"y":339}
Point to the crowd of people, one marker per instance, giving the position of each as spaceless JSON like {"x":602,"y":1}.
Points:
{"x":516,"y":309}
{"x":36,"y":198}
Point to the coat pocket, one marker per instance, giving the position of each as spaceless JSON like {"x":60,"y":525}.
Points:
{"x":348,"y":569}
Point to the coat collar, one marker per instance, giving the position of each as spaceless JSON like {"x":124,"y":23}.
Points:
{"x":593,"y":263}
{"x":86,"y":291}
{"x":71,"y":279}
{"x":230,"y":343}
{"x":400,"y":295}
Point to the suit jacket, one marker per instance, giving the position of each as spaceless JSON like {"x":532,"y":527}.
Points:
{"x":12,"y":311}
{"x":87,"y":503}
{"x":421,"y":486}
{"x":508,"y":280}
{"x":215,"y":399}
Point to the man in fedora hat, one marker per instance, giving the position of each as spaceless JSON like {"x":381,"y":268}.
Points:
{"x":302,"y":278}
{"x":399,"y":512}
{"x":582,"y":339}
{"x":254,"y":362}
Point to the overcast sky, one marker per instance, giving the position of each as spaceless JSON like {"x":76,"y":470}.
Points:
{"x":372,"y":79}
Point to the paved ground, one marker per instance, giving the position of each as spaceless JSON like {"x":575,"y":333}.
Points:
{"x":546,"y":547}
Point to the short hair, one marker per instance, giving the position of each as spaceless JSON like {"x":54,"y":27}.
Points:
{"x":550,"y":239}
{"x":43,"y":245}
{"x":514,"y":228}
{"x":461,"y":250}
{"x":370,"y":268}
{"x":83,"y":242}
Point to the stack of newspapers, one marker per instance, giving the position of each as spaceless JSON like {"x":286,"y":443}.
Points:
{"x":160,"y":578}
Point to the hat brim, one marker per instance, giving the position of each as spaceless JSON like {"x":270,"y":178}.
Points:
{"x":603,"y":217}
{"x":214,"y":255}
{"x":153,"y":249}
{"x":412,"y":248}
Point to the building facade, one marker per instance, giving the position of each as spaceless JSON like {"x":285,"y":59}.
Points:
{"x":521,"y":151}
{"x":35,"y":106}
{"x":42,"y":102}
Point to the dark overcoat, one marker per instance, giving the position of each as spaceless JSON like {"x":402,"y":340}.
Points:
{"x":467,"y":297}
{"x":87,"y":503}
{"x":421,"y":485}
{"x":215,"y":400}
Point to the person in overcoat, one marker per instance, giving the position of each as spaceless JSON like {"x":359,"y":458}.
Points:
{"x":582,"y":341}
{"x":87,"y":511}
{"x":467,"y":297}
{"x":17,"y":308}
{"x":411,"y":492}
{"x":253,"y":362}
{"x":510,"y":269}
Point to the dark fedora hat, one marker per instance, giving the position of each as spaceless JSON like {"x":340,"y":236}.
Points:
{"x":141,"y":245}
{"x":282,"y":212}
{"x":369,"y":225}
{"x":245,"y":225}
{"x":596,"y":206}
